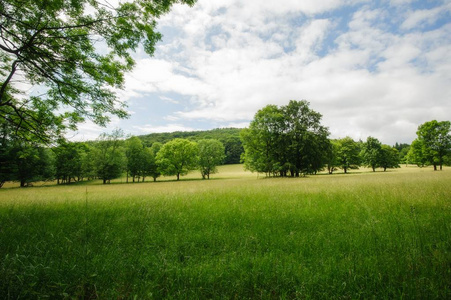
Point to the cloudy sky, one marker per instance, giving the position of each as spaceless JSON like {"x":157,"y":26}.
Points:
{"x":371,"y":68}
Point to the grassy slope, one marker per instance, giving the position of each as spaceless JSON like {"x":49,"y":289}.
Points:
{"x":365,"y":234}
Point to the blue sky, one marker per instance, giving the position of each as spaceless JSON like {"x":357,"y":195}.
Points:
{"x":371,"y":68}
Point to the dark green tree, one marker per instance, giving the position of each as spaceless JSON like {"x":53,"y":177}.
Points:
{"x":286,"y":140}
{"x":108,"y":155}
{"x":332,"y":162}
{"x":135,"y":157}
{"x":53,"y":45}
{"x":233,"y":150}
{"x":68,"y":161}
{"x":88,"y":167}
{"x":32,"y":163}
{"x":388,"y":157}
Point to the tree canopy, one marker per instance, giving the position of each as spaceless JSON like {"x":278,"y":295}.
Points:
{"x":211,"y":154}
{"x":433,"y":143}
{"x":177,"y":157}
{"x":286,"y":140}
{"x":54,"y":47}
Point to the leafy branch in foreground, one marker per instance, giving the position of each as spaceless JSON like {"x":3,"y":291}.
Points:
{"x":54,"y":46}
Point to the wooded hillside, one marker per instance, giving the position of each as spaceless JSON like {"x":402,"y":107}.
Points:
{"x":229,"y":137}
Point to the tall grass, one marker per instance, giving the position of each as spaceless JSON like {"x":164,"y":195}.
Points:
{"x":361,"y":235}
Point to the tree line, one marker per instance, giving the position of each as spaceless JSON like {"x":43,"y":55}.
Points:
{"x":107,"y":158}
{"x":290,"y":141}
{"x":280,"y":141}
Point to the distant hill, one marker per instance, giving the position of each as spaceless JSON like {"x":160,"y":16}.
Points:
{"x":230,"y":137}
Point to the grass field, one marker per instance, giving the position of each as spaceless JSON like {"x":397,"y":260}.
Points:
{"x":360,"y":235}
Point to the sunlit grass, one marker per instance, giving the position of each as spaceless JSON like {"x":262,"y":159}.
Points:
{"x":360,"y":235}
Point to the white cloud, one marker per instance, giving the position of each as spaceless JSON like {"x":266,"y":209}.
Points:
{"x":164,"y":128}
{"x":421,"y":17}
{"x":168,"y":99}
{"x":233,"y":57}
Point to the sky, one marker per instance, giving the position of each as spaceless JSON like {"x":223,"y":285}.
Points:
{"x":371,"y":68}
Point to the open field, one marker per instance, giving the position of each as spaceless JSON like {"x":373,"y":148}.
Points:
{"x":361,"y":235}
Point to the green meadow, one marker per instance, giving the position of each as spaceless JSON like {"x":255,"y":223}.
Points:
{"x":239,"y":235}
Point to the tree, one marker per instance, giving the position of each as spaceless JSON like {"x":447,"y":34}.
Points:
{"x":177,"y":157}
{"x":288,"y":139}
{"x":32,"y":163}
{"x":371,"y":152}
{"x":6,"y":160}
{"x":135,"y":157}
{"x":262,"y":141}
{"x":435,"y":140}
{"x":152,"y":167}
{"x":109,"y":156}
{"x":53,"y":46}
{"x":348,"y":154}
{"x":416,"y":155}
{"x":88,"y":159}
{"x":233,"y":149}
{"x":211,"y":154}
{"x":332,"y":162}
{"x":307,"y":139}
{"x":388,"y":157}
{"x":68,"y":161}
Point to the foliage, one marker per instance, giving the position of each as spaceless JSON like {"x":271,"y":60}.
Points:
{"x":434,"y":139}
{"x":69,"y":161}
{"x":388,"y":157}
{"x":54,"y":46}
{"x":152,"y":169}
{"x":415,"y":154}
{"x":177,"y":157}
{"x":33,"y":163}
{"x":135,"y":154}
{"x":332,"y":162}
{"x":108,"y":156}
{"x":371,"y":153}
{"x":211,"y":154}
{"x":289,"y":139}
{"x":229,"y":137}
{"x":348,"y":154}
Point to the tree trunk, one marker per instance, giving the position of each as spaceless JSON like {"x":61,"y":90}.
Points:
{"x":178,"y":176}
{"x":345,"y":169}
{"x":208,"y":176}
{"x":22,"y":183}
{"x":374,"y":169}
{"x":104,"y":181}
{"x":435,"y":167}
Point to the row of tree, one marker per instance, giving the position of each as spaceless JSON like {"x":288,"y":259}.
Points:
{"x":280,"y":141}
{"x":290,"y":141}
{"x":107,"y":158}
